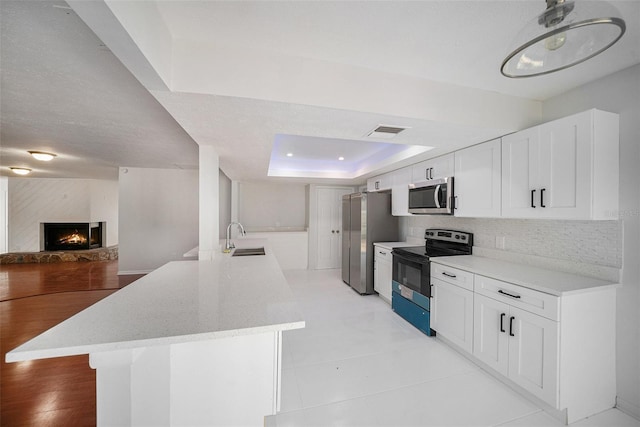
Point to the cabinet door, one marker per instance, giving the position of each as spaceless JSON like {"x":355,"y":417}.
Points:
{"x":490,"y":332}
{"x":439,"y":167}
{"x":400,"y":192}
{"x":520,"y":153}
{"x":533,"y":354}
{"x":380,"y":182}
{"x":452,"y":313}
{"x":564,"y":166}
{"x":477,"y":180}
{"x":383,"y":276}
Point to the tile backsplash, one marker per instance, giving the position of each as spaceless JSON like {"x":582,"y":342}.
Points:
{"x":591,"y":248}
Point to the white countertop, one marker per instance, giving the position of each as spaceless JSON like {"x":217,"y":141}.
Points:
{"x":391,"y":245}
{"x":182,"y":301}
{"x":547,"y":281}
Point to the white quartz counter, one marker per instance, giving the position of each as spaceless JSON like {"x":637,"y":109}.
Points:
{"x":547,"y":281}
{"x":391,"y":245}
{"x":182,"y":301}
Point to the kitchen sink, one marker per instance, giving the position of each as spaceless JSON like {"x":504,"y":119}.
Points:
{"x":248,"y":251}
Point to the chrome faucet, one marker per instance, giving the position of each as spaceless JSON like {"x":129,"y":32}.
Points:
{"x":229,"y":244}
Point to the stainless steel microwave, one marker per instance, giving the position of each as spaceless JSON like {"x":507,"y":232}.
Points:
{"x":434,"y":196}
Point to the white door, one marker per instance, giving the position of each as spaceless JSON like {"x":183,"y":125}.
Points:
{"x":452,"y":313}
{"x":329,"y":207}
{"x":533,"y":354}
{"x":477,"y":180}
{"x":491,"y":332}
{"x":565,"y":168}
{"x":520,"y":189}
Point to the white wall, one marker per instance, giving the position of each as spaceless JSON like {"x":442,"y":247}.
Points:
{"x":225,"y":203}
{"x":620,"y":93}
{"x":104,"y":207}
{"x":36,"y":200}
{"x":158,"y":213}
{"x":266,"y":206}
{"x":4,"y":214}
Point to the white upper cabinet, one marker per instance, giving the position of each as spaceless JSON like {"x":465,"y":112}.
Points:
{"x":380,"y":182}
{"x":439,"y":167}
{"x":477,"y":180}
{"x":564,"y":169}
{"x":400,"y":192}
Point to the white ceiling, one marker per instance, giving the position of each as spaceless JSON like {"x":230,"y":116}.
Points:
{"x":237,"y":74}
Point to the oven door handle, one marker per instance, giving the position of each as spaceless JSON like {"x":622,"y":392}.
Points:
{"x":436,"y":196}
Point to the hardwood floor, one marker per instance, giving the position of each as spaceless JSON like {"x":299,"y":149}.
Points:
{"x":33,"y":298}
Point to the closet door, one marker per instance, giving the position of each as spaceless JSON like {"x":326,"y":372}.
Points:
{"x":329,"y":227}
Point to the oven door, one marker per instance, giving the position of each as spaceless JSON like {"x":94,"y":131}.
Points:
{"x":432,"y":197}
{"x":412,"y":271}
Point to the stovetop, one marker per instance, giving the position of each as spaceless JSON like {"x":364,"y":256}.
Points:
{"x":440,"y":243}
{"x":422,"y":251}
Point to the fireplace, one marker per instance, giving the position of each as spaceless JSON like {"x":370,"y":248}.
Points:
{"x":69,"y":236}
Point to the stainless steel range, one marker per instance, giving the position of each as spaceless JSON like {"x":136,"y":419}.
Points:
{"x":411,"y":296}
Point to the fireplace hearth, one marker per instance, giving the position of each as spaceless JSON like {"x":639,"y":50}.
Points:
{"x":69,"y":236}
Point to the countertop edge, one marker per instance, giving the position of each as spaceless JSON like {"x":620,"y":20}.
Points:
{"x":597,"y":285}
{"x":21,"y":356}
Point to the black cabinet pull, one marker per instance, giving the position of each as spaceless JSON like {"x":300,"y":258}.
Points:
{"x":511,"y":334}
{"x":533,"y":192}
{"x":449,"y":275}
{"x":542,"y":198}
{"x":500,"y":291}
{"x":501,"y":322}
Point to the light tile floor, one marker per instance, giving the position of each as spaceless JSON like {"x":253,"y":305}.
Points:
{"x":359,"y":364}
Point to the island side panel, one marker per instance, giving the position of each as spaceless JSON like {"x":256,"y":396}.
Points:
{"x":230,"y":381}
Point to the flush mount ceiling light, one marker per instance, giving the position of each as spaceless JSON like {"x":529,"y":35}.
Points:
{"x":289,"y":154}
{"x":565,"y":34}
{"x":41,"y":155}
{"x":20,"y":171}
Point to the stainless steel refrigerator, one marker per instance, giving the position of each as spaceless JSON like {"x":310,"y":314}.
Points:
{"x":366,"y":219}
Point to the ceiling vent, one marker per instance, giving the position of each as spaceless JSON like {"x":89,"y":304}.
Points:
{"x":385,"y":132}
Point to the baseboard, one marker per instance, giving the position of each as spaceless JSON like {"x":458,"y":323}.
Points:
{"x":628,"y":408}
{"x":131,"y":272}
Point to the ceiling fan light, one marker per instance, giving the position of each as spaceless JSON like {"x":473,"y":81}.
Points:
{"x":564,"y":35}
{"x":42,"y":156}
{"x":20,"y":171}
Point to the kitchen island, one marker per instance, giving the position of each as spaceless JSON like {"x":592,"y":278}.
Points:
{"x":192,"y":343}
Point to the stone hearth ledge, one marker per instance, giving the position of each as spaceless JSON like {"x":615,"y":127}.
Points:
{"x":46,"y":257}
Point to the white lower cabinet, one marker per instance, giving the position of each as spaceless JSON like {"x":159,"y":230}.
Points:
{"x":557,"y":347}
{"x":382,"y":274}
{"x":518,"y":344}
{"x":452,"y":313}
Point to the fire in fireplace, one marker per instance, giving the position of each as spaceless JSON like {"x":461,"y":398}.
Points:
{"x":65,"y":236}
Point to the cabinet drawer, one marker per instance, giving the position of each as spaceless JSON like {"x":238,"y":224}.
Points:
{"x":532,"y":301}
{"x":455,"y":276}
{"x":383,"y":254}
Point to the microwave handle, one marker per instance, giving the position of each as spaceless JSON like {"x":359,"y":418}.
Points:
{"x":436,"y":196}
